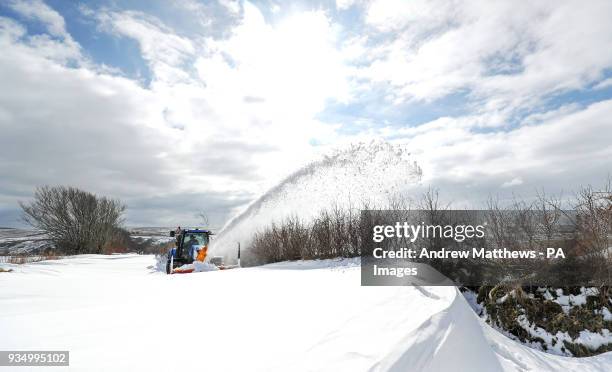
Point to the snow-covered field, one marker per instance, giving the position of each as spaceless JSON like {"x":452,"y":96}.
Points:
{"x":155,"y":235}
{"x":117,"y":313}
{"x":16,"y":241}
{"x":30,"y":241}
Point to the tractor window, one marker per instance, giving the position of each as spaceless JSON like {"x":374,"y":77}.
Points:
{"x":192,"y":242}
{"x":196,"y":239}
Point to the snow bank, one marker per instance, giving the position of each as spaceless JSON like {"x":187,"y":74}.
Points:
{"x":451,"y":340}
{"x":119,"y":313}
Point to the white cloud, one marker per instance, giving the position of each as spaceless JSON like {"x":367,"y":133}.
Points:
{"x":38,"y":10}
{"x":604,"y":84}
{"x":10,"y":30}
{"x":242,"y":107}
{"x":165,"y":51}
{"x":417,"y":15}
{"x":513,"y":182}
{"x":232,"y":5}
{"x":345,"y":4}
{"x":503,"y":55}
{"x":560,"y":152}
{"x":293,"y":64}
{"x":58,"y":44}
{"x":230,"y":109}
{"x":84,"y":127}
{"x":72,"y":125}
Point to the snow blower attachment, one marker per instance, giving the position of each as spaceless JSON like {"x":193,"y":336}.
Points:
{"x":191,"y":251}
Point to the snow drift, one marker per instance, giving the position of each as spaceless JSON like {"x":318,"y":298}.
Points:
{"x":453,"y":335}
{"x":118,"y":313}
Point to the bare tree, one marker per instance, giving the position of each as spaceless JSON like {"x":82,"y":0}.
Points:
{"x":594,"y":227}
{"x":75,"y":220}
{"x":203,"y":218}
{"x":549,"y":208}
{"x":500,"y":224}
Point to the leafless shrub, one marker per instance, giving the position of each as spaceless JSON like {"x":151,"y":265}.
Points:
{"x":549,"y":208}
{"x":584,"y":231}
{"x":593,"y":224}
{"x":337,"y":232}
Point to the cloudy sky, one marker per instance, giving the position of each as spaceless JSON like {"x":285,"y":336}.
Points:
{"x":186,"y":105}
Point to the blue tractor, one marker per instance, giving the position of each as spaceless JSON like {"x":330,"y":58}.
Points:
{"x":191,"y":245}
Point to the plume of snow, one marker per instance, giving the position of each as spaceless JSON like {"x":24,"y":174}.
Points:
{"x":365,"y":172}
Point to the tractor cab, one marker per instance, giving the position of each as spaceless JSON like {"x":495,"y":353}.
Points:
{"x":191,"y":244}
